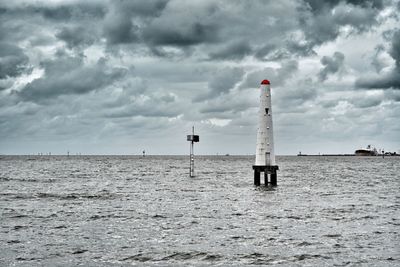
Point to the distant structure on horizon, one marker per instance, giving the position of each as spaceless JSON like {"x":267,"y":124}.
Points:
{"x":369,"y":151}
{"x":265,"y":155}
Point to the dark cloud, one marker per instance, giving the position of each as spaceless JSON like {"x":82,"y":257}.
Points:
{"x":292,"y":99}
{"x":76,"y":36}
{"x":300,"y":48}
{"x":298,"y":97}
{"x":66,"y":12}
{"x":136,"y":99}
{"x":325,"y":24}
{"x":387,"y":80}
{"x":175,"y":53}
{"x":376,"y":62}
{"x":367,"y":102}
{"x":36,"y":21}
{"x":54,"y":12}
{"x":181,"y":26}
{"x":13,"y":61}
{"x":234,"y":51}
{"x":383,"y":81}
{"x":277,"y":77}
{"x":391,"y":94}
{"x":288,"y":49}
{"x":69,"y":75}
{"x":186,"y":35}
{"x":327,"y":104}
{"x":149,"y":109}
{"x":288,"y":69}
{"x":164,"y":106}
{"x":224,"y":109}
{"x":395,"y":49}
{"x":151,"y":8}
{"x":230,"y":105}
{"x":120,"y":23}
{"x":264,"y":51}
{"x":119,"y":29}
{"x":225,"y":79}
{"x":332,"y":65}
{"x":132,"y":88}
{"x":221,"y":82}
{"x":318,"y":6}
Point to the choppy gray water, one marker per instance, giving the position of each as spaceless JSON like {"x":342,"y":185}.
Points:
{"x":122,"y":211}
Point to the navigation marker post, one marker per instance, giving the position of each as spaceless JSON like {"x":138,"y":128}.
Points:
{"x":192,"y":138}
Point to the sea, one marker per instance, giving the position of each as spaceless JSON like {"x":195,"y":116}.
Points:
{"x":147,"y":211}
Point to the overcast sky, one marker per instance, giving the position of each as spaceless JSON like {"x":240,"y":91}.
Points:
{"x":117,"y":77}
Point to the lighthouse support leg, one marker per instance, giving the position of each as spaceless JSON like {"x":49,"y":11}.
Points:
{"x":274,"y":180}
{"x":265,"y":178}
{"x":256,"y":177}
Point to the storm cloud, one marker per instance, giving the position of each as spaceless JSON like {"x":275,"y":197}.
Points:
{"x":234,"y":51}
{"x":330,"y":16}
{"x":69,"y":75}
{"x":385,"y":80}
{"x":13,"y":61}
{"x":221,"y":82}
{"x":331,"y":65}
{"x":76,"y":36}
{"x":125,"y":73}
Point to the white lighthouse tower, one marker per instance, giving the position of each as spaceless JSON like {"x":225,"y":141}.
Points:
{"x":265,"y":156}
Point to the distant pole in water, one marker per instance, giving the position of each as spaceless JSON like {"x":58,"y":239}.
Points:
{"x":265,"y":156}
{"x":192,"y":138}
{"x":144,"y":153}
{"x":67,"y":153}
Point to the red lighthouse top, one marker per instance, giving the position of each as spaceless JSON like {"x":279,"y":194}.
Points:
{"x":265,"y":82}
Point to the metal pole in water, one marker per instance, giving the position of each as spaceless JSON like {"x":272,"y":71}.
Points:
{"x":192,"y":156}
{"x":192,"y":138}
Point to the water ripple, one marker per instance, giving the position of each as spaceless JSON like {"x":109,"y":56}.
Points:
{"x":126,"y":210}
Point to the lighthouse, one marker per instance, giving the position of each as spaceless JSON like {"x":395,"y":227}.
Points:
{"x":265,"y":156}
